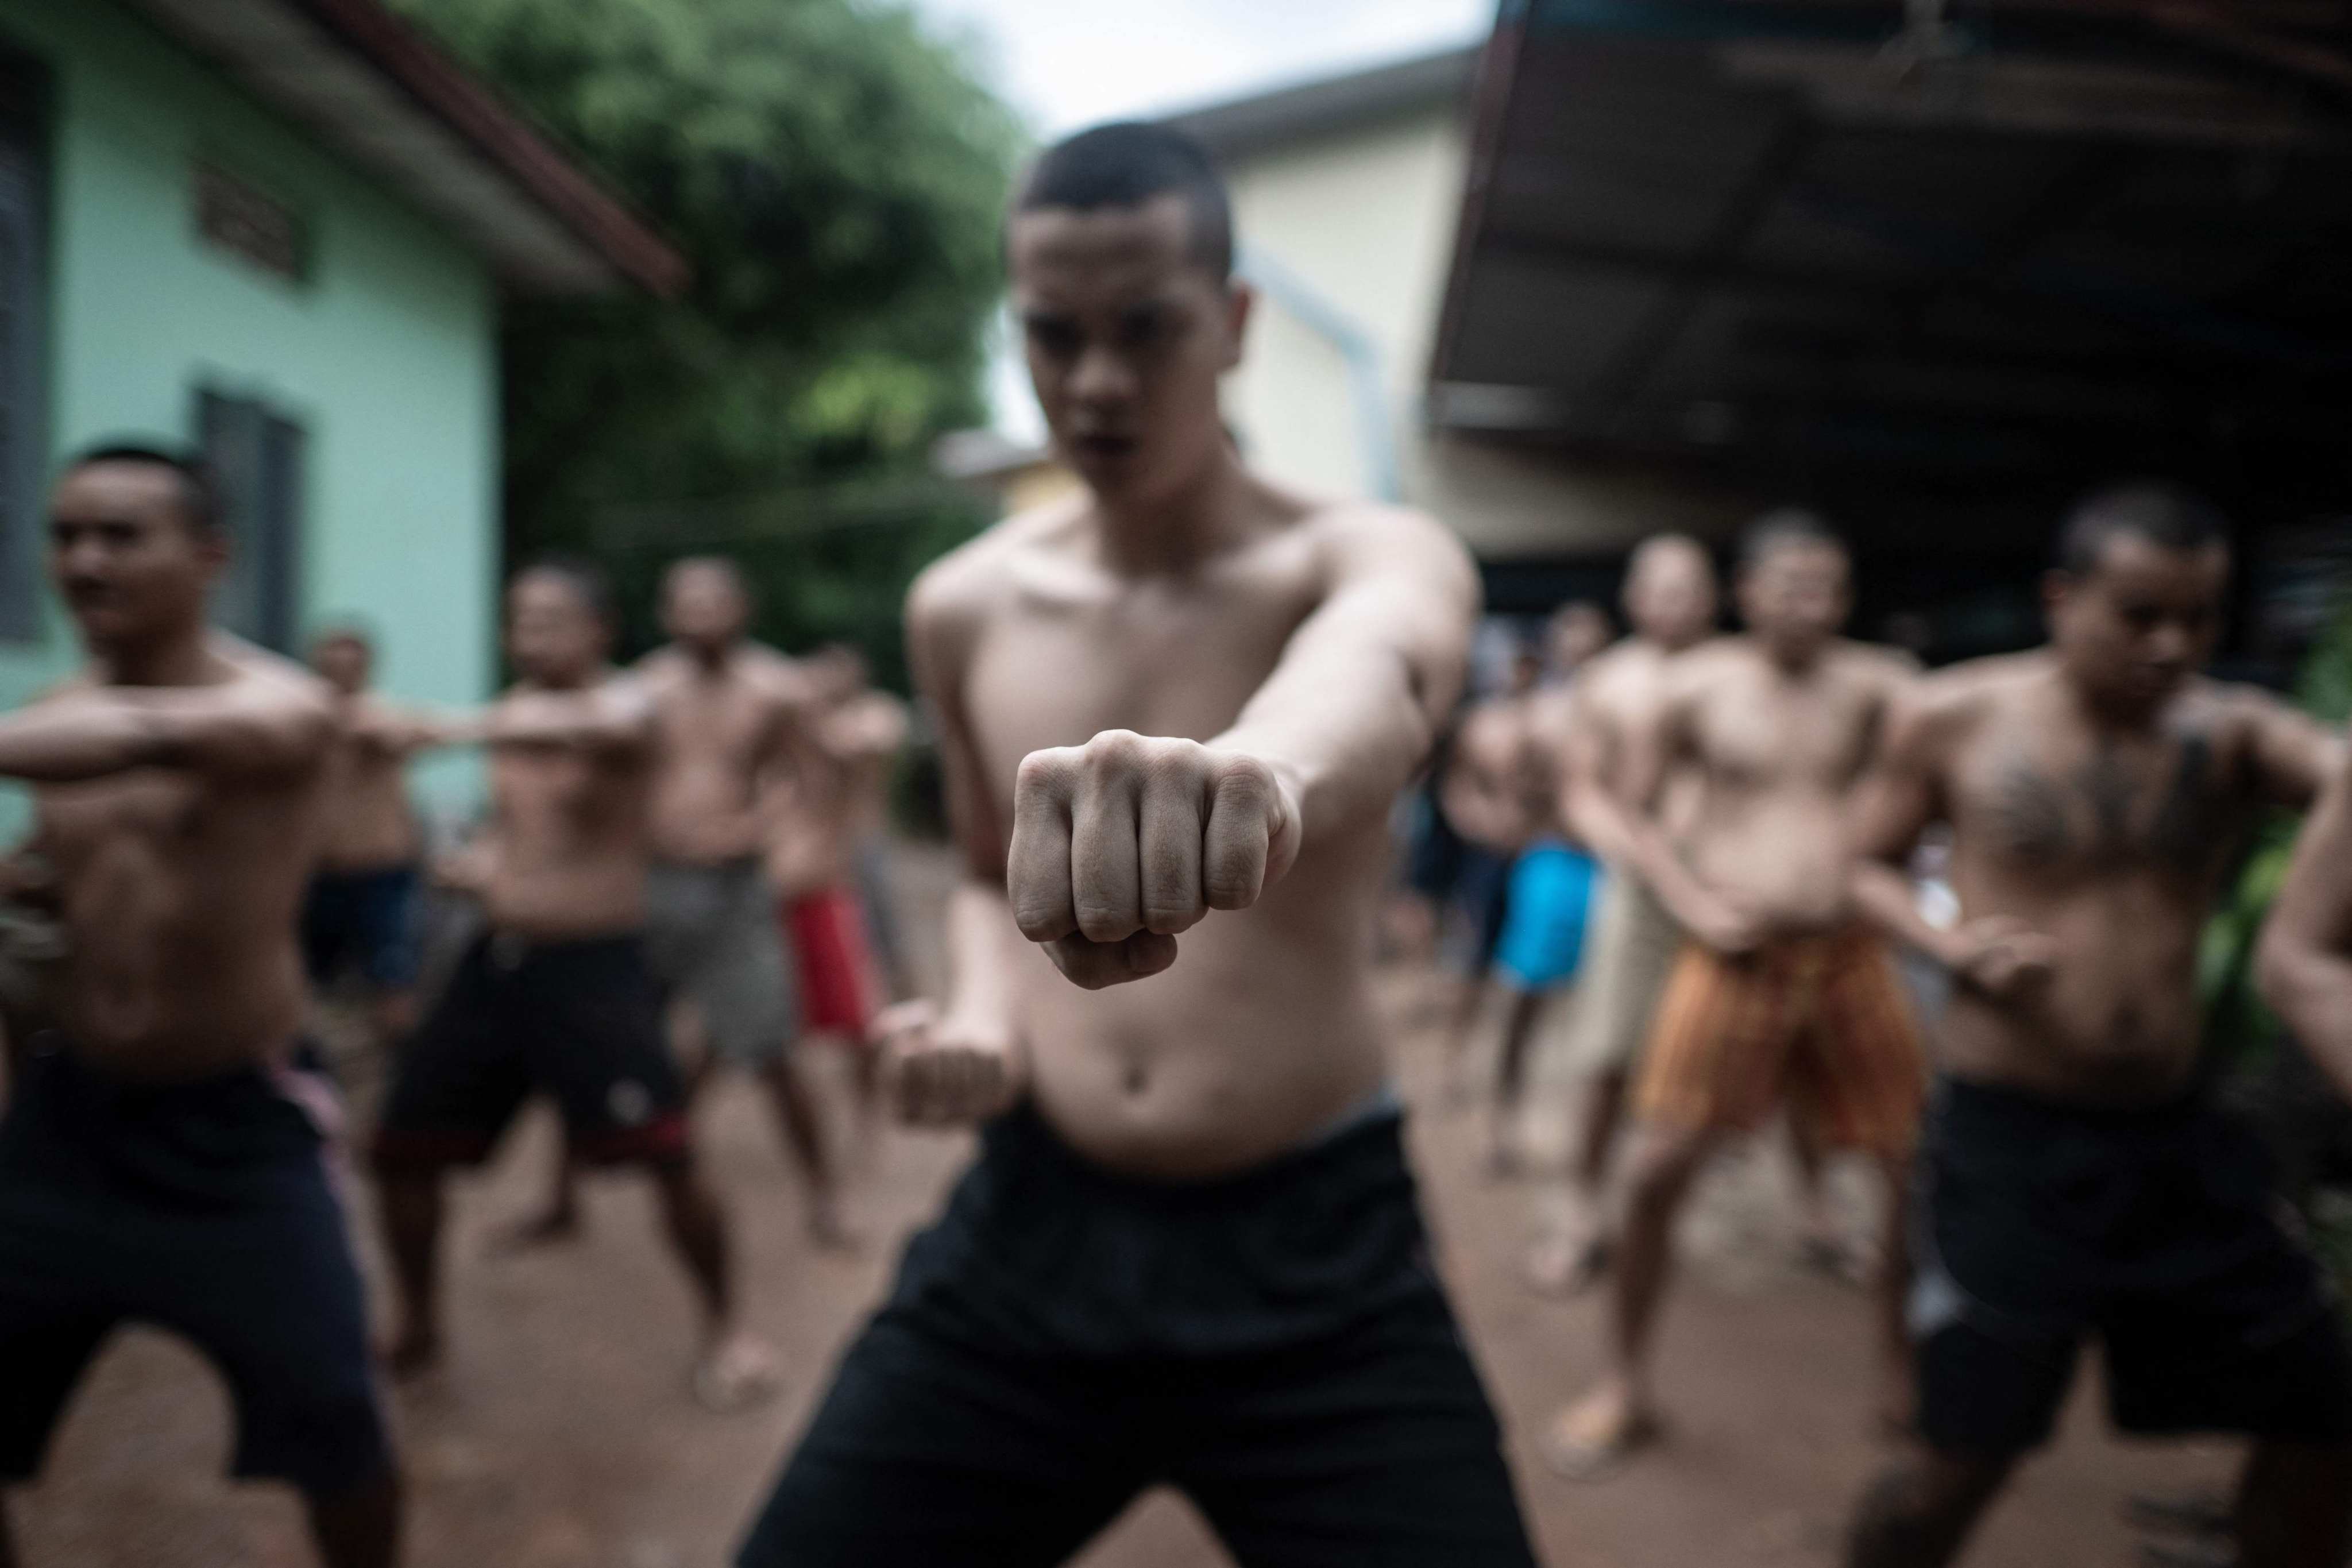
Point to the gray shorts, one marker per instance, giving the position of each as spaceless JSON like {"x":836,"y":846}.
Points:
{"x":712,"y":939}
{"x":1634,"y":942}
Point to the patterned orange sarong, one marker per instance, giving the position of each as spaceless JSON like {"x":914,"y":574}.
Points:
{"x":1821,"y":1022}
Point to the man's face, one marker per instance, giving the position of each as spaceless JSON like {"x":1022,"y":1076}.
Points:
{"x":1796,"y":596}
{"x":125,"y":556}
{"x":1127,"y":335}
{"x":1671,"y":599}
{"x":837,"y":674}
{"x":2141,"y":621}
{"x":343,"y":662}
{"x":703,"y":606}
{"x":1574,"y":637}
{"x":553,"y":635}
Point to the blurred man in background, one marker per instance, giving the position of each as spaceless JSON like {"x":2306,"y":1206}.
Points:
{"x":1780,"y":995}
{"x":2078,"y":1180}
{"x":729,"y":713}
{"x":1483,"y":794}
{"x":159,"y":1161}
{"x":1174,"y":711}
{"x":825,"y":808}
{"x":1552,"y":879}
{"x":364,"y":910}
{"x":557,"y":995}
{"x":1670,"y":600}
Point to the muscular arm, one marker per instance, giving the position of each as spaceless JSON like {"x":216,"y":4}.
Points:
{"x":2294,"y":755}
{"x":614,"y":717}
{"x":2304,"y":964}
{"x":1653,"y":749}
{"x":1353,"y":705}
{"x":1898,"y":796}
{"x":250,"y":726}
{"x":1591,"y":810}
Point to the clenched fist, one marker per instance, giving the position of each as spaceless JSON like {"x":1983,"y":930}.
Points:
{"x":943,"y":1072}
{"x":1123,"y":843}
{"x":2001,"y":956}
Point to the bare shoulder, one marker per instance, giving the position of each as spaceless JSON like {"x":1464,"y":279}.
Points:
{"x":2237,"y":707}
{"x":1950,"y":700}
{"x":1688,"y":674}
{"x":1876,"y":664}
{"x":278,"y":682}
{"x":961,"y":585}
{"x":1398,"y":541}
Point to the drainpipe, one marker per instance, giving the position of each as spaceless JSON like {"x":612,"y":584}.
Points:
{"x":1375,"y":429}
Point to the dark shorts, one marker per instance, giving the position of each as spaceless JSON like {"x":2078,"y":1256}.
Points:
{"x":2042,"y":1223}
{"x":368,"y":920}
{"x":205,"y":1209}
{"x":579,"y":1021}
{"x":1274,"y":1345}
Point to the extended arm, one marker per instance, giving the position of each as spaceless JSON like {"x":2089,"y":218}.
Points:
{"x":1120,"y":844}
{"x":613,"y":717}
{"x":249,"y":725}
{"x":1353,"y":705}
{"x":2305,"y":959}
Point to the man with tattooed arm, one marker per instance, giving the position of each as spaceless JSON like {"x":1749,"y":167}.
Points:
{"x":2075,"y":1179}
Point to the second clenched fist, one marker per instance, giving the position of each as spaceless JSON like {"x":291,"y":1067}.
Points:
{"x":1123,"y":843}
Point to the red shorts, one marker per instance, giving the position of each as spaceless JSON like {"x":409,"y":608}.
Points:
{"x":837,"y":967}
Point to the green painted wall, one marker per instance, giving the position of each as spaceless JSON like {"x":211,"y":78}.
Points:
{"x":386,"y":354}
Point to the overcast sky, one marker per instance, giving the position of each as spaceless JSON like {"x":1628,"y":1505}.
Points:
{"x":1067,"y":62}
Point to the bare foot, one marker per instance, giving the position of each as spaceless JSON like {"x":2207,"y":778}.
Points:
{"x":1568,"y":1262}
{"x":1593,"y":1437}
{"x":554,"y":1229}
{"x":737,"y":1373}
{"x":411,"y":1356}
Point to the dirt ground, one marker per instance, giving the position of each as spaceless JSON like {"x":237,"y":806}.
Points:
{"x":561,"y":1434}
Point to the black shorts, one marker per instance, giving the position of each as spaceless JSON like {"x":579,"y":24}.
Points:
{"x":202,"y":1208}
{"x":2042,"y":1222}
{"x":579,"y":1021}
{"x":1274,"y":1345}
{"x":372,"y":921}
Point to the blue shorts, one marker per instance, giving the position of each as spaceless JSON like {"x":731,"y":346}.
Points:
{"x":367,"y":920}
{"x":1543,"y":935}
{"x":203,"y":1208}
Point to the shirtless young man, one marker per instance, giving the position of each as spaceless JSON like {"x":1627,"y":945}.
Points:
{"x":154,"y":1163}
{"x":1670,"y":600}
{"x":1484,"y":797}
{"x":2076,"y":1180}
{"x":1781,"y":994}
{"x":1540,"y":947}
{"x":556,"y":994}
{"x":1190,"y":1251}
{"x":728,"y":713}
{"x":362,"y":912}
{"x":823,"y":810}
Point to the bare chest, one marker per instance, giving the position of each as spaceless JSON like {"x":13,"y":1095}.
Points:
{"x":560,"y":788}
{"x":722,"y":730}
{"x":1049,"y":676}
{"x":145,"y":814}
{"x":2055,"y":805}
{"x":1759,"y":733}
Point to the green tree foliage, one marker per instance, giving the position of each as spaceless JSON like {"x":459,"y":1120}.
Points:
{"x":836,"y":178}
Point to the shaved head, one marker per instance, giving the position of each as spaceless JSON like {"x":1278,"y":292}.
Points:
{"x":1670,"y":590}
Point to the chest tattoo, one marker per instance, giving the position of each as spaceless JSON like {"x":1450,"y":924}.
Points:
{"x":2188,"y":829}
